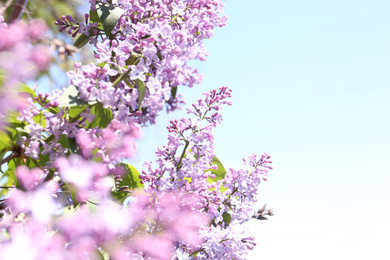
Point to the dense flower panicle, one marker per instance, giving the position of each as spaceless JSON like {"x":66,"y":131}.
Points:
{"x":185,"y":165}
{"x":153,"y":42}
{"x":183,"y":213}
{"x":244,"y":184}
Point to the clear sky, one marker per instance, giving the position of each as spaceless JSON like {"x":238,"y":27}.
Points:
{"x":310,"y":84}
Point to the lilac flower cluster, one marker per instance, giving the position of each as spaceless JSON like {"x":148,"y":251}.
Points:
{"x":147,"y":48}
{"x":151,"y":43}
{"x":188,"y":210}
{"x":40,"y":228}
{"x":74,"y":27}
{"x":186,"y":165}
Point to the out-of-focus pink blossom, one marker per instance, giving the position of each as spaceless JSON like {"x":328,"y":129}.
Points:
{"x":29,"y":178}
{"x":20,"y":60}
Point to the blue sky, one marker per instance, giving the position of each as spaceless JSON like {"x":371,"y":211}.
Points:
{"x":310,"y":84}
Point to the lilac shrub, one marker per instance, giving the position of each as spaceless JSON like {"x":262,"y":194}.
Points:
{"x":66,"y":189}
{"x":188,"y":165}
{"x":151,"y":43}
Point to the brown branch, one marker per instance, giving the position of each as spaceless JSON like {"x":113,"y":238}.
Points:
{"x":13,"y":155}
{"x":5,"y":6}
{"x":261,"y":213}
{"x":17,"y":11}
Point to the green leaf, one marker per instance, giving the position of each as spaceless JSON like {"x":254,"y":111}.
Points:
{"x":120,"y":195}
{"x":103,"y":116}
{"x":129,"y":179}
{"x":109,"y":16}
{"x":73,"y":147}
{"x":11,"y":171}
{"x":43,"y":159}
{"x":76,"y":110}
{"x":70,"y":98}
{"x":5,"y":141}
{"x":81,"y":41}
{"x":12,"y":133}
{"x":94,"y":17}
{"x":24,"y":129}
{"x":11,"y":119}
{"x":121,"y":77}
{"x":220,"y":172}
{"x":226,"y":218}
{"x":141,"y":92}
{"x":40,"y":119}
{"x":173,"y":92}
{"x":103,"y":255}
{"x":72,"y":189}
{"x":64,"y":141}
{"x":7,"y":182}
{"x":2,"y":78}
{"x":131,"y":60}
{"x":25,"y":89}
{"x":74,"y":196}
{"x":53,"y":110}
{"x":101,"y":64}
{"x":69,"y":210}
{"x":134,"y":58}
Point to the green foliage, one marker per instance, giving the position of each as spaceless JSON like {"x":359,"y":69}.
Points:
{"x":103,"y":116}
{"x":220,"y":172}
{"x":81,"y":41}
{"x":73,"y":147}
{"x":141,"y":92}
{"x":69,"y":188}
{"x":2,"y":78}
{"x":14,"y":127}
{"x":102,"y":254}
{"x":226,"y":218}
{"x":70,"y":98}
{"x":94,"y":18}
{"x":24,"y":89}
{"x":76,"y":110}
{"x":109,"y":16}
{"x":69,"y":143}
{"x":5,"y":141}
{"x":8,"y":178}
{"x":174,"y":92}
{"x":128,"y":181}
{"x":40,"y":119}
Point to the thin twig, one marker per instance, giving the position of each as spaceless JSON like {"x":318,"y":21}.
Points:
{"x":7,"y":187}
{"x":5,"y":6}
{"x":13,"y":155}
{"x":262,"y":213}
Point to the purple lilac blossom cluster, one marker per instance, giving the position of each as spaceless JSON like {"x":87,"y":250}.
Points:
{"x":179,"y":215}
{"x":185,"y":166}
{"x":161,"y":59}
{"x":152,"y":42}
{"x":158,"y":41}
